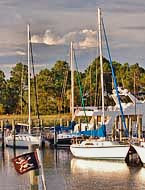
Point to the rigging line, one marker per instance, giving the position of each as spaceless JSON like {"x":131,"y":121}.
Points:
{"x":63,"y":92}
{"x":115,"y":81}
{"x":90,"y":73}
{"x":35,"y":82}
{"x":64,"y":84}
{"x":81,"y":90}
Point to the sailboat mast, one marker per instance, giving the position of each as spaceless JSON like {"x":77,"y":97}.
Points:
{"x":72,"y":81}
{"x":101,"y":64}
{"x":22,"y":90}
{"x":29,"y":90}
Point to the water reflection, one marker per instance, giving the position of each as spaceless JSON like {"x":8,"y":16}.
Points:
{"x":9,"y":179}
{"x":97,"y":166}
{"x":100,"y":174}
{"x":107,"y":175}
{"x":139,"y":178}
{"x":57,"y":168}
{"x":63,"y":172}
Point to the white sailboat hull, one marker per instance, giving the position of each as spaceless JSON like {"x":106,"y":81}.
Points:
{"x":115,"y":152}
{"x":141,"y":152}
{"x":23,"y":140}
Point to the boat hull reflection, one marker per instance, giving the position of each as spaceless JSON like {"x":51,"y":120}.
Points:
{"x":98,"y":166}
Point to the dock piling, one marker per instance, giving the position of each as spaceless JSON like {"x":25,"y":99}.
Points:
{"x":14,"y":132}
{"x":3,"y":134}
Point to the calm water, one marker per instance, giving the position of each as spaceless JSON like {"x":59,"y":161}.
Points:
{"x":63,"y":172}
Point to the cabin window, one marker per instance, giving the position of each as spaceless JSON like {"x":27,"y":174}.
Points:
{"x":89,"y":144}
{"x":125,"y":99}
{"x":109,"y":101}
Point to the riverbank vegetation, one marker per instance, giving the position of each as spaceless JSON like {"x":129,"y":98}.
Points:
{"x":54,"y":86}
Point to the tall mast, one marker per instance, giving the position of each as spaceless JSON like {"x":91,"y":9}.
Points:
{"x":29,"y":90}
{"x":21,"y":99}
{"x":72,"y":81}
{"x":135,"y":98}
{"x":101,"y":63}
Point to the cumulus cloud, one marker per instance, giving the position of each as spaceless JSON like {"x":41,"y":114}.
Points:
{"x":90,"y":39}
{"x":51,"y":38}
{"x":48,"y":38}
{"x":36,"y":39}
{"x":82,"y":39}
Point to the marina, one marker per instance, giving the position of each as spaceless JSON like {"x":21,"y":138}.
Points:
{"x":72,"y":116}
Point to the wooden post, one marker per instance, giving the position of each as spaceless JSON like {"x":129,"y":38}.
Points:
{"x":127,"y":122}
{"x":79,"y":122}
{"x":1,"y":127}
{"x":121,"y":128}
{"x":116,"y":128}
{"x":130,"y":126}
{"x":14,"y":132}
{"x":95,"y":123}
{"x":55,"y":136}
{"x":139,"y":126}
{"x":41,"y":128}
{"x":113,"y":132}
{"x":60,"y":121}
{"x":67,"y":123}
{"x":41,"y":122}
{"x":13,"y":124}
{"x":3,"y":134}
{"x":92,"y":121}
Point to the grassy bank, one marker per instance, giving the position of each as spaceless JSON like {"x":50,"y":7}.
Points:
{"x":46,"y":120}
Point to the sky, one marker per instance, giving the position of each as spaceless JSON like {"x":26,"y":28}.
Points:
{"x":54,"y":24}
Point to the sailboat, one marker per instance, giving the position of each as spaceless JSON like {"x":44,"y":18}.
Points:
{"x":100,"y":148}
{"x":24,"y":140}
{"x":62,"y":136}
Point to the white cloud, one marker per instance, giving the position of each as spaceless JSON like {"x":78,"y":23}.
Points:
{"x":36,"y":39}
{"x":50,"y":38}
{"x":20,"y":52}
{"x":90,"y":39}
{"x":85,"y":38}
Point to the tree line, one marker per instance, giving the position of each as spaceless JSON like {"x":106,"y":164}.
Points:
{"x":53,"y":86}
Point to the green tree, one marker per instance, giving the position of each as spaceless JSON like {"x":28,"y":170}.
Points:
{"x":14,"y":87}
{"x":61,"y":80}
{"x":3,"y":92}
{"x":45,"y":86}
